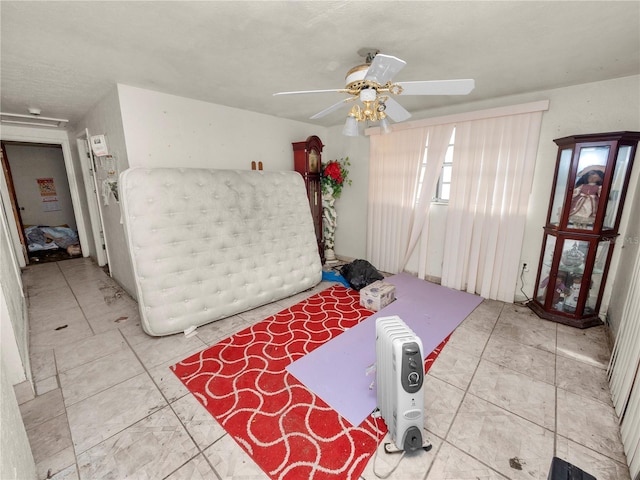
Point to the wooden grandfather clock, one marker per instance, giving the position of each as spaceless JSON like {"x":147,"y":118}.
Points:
{"x":307,"y":162}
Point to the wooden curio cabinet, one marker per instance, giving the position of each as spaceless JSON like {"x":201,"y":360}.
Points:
{"x":307,"y":161}
{"x":589,"y":187}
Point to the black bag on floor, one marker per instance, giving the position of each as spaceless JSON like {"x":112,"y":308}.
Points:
{"x":360,"y":273}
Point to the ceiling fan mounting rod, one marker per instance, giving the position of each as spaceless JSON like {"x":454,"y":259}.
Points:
{"x":369,"y":53}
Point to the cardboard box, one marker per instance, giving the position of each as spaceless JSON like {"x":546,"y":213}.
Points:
{"x":377,"y":295}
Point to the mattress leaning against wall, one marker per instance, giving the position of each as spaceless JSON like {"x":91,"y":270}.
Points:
{"x":206,"y":244}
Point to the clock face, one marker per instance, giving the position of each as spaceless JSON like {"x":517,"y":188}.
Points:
{"x":314,"y":161}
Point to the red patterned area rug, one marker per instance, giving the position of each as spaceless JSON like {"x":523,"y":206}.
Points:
{"x":285,"y":428}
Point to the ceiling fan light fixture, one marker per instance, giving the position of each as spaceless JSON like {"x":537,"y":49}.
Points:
{"x":368,"y":94}
{"x":384,"y":125}
{"x":350,"y":128}
{"x":372,"y":111}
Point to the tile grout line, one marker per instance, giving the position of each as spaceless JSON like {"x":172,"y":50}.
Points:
{"x":66,"y":414}
{"x":76,"y":299}
{"x":170,"y":406}
{"x":466,"y":391}
{"x":59,"y":385}
{"x":76,"y":454}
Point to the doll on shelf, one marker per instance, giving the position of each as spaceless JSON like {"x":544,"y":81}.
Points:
{"x":586,"y":195}
{"x":560,"y":290}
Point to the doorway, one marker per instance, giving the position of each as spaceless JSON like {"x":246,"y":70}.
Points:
{"x":41,"y":200}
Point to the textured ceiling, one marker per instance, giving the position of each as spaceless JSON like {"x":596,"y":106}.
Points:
{"x":64,"y":56}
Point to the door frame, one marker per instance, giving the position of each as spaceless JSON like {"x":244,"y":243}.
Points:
{"x":53,"y":137}
{"x":88,"y":167}
{"x":10,"y":196}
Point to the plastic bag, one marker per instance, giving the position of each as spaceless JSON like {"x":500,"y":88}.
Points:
{"x":334,"y":277}
{"x":360,"y":273}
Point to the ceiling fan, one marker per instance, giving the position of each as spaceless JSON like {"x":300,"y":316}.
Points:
{"x":371,"y":83}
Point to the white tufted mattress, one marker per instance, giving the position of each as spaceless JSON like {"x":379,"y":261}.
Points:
{"x":206,"y":244}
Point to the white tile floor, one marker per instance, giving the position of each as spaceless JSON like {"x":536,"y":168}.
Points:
{"x":508,"y":392}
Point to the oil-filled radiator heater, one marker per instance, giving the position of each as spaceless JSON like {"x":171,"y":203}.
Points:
{"x":400,"y":380}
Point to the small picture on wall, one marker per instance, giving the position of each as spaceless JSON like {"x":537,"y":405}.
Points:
{"x":99,"y":145}
{"x":47,"y":187}
{"x":50,"y":204}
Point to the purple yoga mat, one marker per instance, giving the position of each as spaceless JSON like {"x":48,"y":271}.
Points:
{"x":336,"y":371}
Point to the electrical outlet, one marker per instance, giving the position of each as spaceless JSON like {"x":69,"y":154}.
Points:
{"x":525,"y":268}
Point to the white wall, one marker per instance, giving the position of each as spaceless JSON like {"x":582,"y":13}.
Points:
{"x":105,"y":118}
{"x":29,"y":163}
{"x":166,"y":130}
{"x":17,"y":460}
{"x":14,"y":328}
{"x":351,"y":207}
{"x":152,"y":129}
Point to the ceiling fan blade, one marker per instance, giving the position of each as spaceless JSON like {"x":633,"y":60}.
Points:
{"x":383,"y":68}
{"x":395,"y":111}
{"x":334,"y":90}
{"x":438,"y":87}
{"x":330,"y":109}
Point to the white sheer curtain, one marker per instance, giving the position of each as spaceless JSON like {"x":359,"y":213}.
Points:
{"x":624,"y":373}
{"x":493,"y":165}
{"x":394,"y":165}
{"x":438,"y":142}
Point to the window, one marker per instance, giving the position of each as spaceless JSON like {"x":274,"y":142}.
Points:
{"x":443,"y":189}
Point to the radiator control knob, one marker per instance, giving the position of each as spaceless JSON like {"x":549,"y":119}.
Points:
{"x":412,"y":372}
